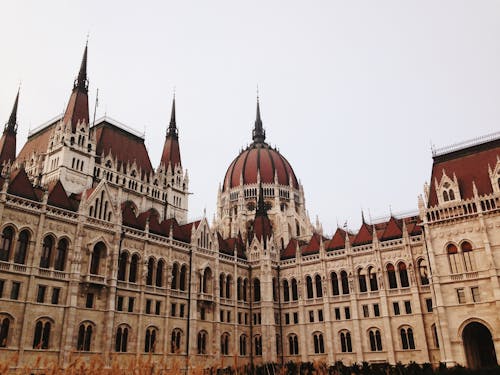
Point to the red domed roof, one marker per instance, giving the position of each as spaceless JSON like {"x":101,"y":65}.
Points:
{"x":259,"y":157}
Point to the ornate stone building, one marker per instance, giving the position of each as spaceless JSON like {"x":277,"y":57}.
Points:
{"x":97,"y":257}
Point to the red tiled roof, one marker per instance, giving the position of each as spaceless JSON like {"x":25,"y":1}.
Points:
{"x":171,"y":154}
{"x":262,"y":227}
{"x":77,"y":109}
{"x":468,"y":164}
{"x":290,"y":250}
{"x":37,"y":143}
{"x":364,"y":235}
{"x":228,"y":245}
{"x":337,"y":241}
{"x":7,"y":147}
{"x":58,"y":198}
{"x":125,"y":146}
{"x":392,"y":230}
{"x":259,"y":157}
{"x":21,"y":186}
{"x":313,"y":246}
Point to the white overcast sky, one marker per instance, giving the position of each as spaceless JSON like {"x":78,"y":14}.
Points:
{"x":353,"y":93}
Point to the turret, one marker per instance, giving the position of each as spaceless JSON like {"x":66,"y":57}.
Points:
{"x":8,"y":140}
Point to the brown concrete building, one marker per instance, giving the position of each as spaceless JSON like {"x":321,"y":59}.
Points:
{"x":97,"y":257}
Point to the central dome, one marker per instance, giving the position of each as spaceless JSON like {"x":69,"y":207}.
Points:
{"x":261,"y":158}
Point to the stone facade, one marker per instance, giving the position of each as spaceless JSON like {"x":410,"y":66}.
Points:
{"x":97,"y":257}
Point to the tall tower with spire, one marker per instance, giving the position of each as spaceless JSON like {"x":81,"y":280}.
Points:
{"x":71,"y":147}
{"x":8,"y":139}
{"x":175,"y":179}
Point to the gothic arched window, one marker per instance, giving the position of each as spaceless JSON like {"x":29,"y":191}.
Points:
{"x":6,"y":244}
{"x":22,"y":247}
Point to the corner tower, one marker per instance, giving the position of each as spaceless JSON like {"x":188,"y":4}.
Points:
{"x":262,"y":165}
{"x":70,"y":152}
{"x":175,"y":180}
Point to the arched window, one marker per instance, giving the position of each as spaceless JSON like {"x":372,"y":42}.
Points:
{"x":286,"y":291}
{"x":207,"y":278}
{"x":372,"y":275}
{"x":6,"y":244}
{"x":62,"y":249}
{"x":258,"y":345}
{"x":121,"y":339}
{"x":221,"y":285}
{"x":122,"y":265}
{"x":245,"y":289}
{"x":319,"y":287}
{"x":48,"y":243}
{"x":423,"y":272}
{"x":202,"y":342}
{"x":295,"y":293}
{"x":228,"y":286}
{"x":446,"y":198}
{"x":452,"y":195}
{"x":175,"y":276}
{"x":4,"y":331}
{"x":238,"y":289}
{"x":403,"y":275}
{"x":243,"y":345}
{"x":375,"y":340}
{"x":345,"y":282}
{"x":362,"y":281}
{"x":293,"y":344}
{"x":175,"y":341}
{"x":407,"y":340}
{"x":84,"y":337}
{"x":42,"y":335}
{"x":150,"y":340}
{"x":391,"y":274}
{"x":319,"y":345}
{"x":275,"y":290}
{"x":151,"y":270}
{"x":224,"y":344}
{"x":134,"y":262}
{"x":469,"y":261}
{"x":345,"y":342}
{"x":95,"y":261}
{"x":309,"y":287}
{"x":453,"y":258}
{"x":22,"y":247}
{"x":159,"y":273}
{"x":256,"y":290}
{"x":435,"y":336}
{"x":335,"y":284}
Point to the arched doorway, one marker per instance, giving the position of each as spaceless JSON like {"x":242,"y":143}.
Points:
{"x":478,"y":345}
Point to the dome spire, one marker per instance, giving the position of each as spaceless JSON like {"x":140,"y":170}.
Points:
{"x":258,"y":133}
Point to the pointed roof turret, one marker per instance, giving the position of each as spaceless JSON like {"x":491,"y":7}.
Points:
{"x":8,"y":139}
{"x":262,"y":227}
{"x":258,"y":133}
{"x":11,"y":125}
{"x":171,"y":155}
{"x":78,"y":105}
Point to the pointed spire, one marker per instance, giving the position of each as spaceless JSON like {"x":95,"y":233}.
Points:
{"x":258,"y":133}
{"x":172,"y":128}
{"x":82,"y":82}
{"x":171,"y":155}
{"x":261,"y":206}
{"x":11,"y":125}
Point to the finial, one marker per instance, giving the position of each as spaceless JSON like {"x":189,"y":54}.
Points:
{"x":258,"y":133}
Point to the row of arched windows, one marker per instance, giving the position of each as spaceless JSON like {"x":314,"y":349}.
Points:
{"x":21,"y":246}
{"x":462,"y":259}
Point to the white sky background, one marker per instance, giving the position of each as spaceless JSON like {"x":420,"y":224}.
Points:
{"x":352,"y":92}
